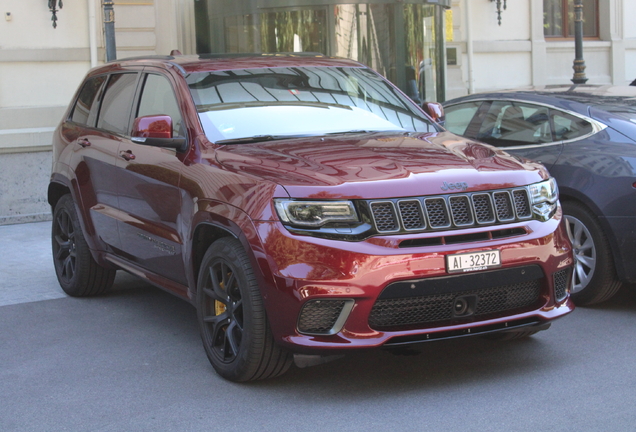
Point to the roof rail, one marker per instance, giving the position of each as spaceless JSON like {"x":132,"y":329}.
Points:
{"x":168,"y":59}
{"x":148,"y":57}
{"x":276,"y":54}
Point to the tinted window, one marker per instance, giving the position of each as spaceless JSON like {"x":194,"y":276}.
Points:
{"x":458,"y":117}
{"x":513,"y":124}
{"x":567,"y":127}
{"x":114,"y":114}
{"x":300,"y":100}
{"x":85,"y":101}
{"x":158,"y":98}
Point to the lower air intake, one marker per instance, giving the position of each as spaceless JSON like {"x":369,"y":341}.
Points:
{"x":323,"y":317}
{"x":561,"y":279}
{"x":411,"y":312}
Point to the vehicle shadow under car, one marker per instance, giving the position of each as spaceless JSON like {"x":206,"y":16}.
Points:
{"x":133,"y":357}
{"x":430,"y":365}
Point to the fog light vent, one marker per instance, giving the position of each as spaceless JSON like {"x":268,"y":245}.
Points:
{"x":561,"y":279}
{"x":324,"y":317}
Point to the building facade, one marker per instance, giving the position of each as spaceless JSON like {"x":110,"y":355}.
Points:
{"x":432,"y":49}
{"x":534,"y":45}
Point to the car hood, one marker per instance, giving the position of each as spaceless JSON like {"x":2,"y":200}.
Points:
{"x":379,"y":165}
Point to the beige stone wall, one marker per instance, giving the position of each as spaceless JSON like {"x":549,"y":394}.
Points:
{"x":41,"y":68}
{"x":516,"y":54}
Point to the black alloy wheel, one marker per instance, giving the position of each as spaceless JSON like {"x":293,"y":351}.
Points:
{"x":64,"y":249}
{"x":223,"y":312}
{"x":234,"y":328}
{"x":77,"y":272}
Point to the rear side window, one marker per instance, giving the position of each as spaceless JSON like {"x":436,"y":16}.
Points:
{"x":86,"y":101}
{"x":114,"y":114}
{"x":567,"y":127}
{"x":515,"y":124}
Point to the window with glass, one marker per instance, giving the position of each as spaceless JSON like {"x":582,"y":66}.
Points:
{"x":558,"y":18}
{"x":459,"y":116}
{"x":116,"y":105}
{"x":259,"y":104}
{"x":283,"y":31}
{"x":421,"y":52}
{"x":158,"y":98}
{"x":85,"y":110}
{"x":513,"y":124}
{"x":369,"y":33}
{"x":567,"y":127}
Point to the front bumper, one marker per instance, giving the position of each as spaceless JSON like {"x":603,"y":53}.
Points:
{"x":330,"y":295}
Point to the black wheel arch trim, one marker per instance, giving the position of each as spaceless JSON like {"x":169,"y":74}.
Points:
{"x":63,"y":183}
{"x":231,"y":229}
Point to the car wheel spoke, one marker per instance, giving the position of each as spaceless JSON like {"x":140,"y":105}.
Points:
{"x":69,"y":266}
{"x":586,"y":261}
{"x":214,"y":320}
{"x":582,"y":275}
{"x":217,"y":284}
{"x":588,"y":245}
{"x":219,"y":341}
{"x":233,"y":335}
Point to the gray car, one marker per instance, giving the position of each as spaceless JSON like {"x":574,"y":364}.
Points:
{"x":586,"y":136}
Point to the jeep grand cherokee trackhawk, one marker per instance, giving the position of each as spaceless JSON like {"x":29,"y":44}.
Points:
{"x":304,"y":205}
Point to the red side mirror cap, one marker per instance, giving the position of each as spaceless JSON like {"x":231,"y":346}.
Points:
{"x":155,"y":126}
{"x":435,"y":111}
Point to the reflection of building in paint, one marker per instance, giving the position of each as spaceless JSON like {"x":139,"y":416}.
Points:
{"x":394,"y":38}
{"x":603,"y":165}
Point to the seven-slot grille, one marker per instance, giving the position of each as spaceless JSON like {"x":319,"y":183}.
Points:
{"x":450,"y":211}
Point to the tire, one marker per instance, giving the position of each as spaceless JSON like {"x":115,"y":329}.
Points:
{"x":232,"y":319}
{"x":77,"y":272}
{"x":594,"y":278}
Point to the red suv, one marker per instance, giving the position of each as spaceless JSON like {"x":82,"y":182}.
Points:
{"x":304,"y":205}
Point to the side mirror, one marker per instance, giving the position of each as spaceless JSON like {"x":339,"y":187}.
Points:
{"x":156,"y":131}
{"x":435,"y":111}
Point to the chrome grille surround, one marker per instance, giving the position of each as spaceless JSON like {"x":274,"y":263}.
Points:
{"x":461,"y":211}
{"x":411,"y":215}
{"x":453,"y":211}
{"x":503,"y":204}
{"x":483,"y":208}
{"x":437,"y":213}
{"x":522,"y":203}
{"x":384,"y":216}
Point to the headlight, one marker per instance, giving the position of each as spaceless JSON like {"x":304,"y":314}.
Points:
{"x":315,"y":214}
{"x":544,"y":197}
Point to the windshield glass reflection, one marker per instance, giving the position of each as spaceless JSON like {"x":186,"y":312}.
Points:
{"x":300,"y":101}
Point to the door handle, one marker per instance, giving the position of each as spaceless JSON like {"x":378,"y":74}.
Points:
{"x":84,"y":142}
{"x":127,"y":155}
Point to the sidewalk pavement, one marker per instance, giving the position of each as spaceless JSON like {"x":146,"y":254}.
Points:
{"x":26,"y":264}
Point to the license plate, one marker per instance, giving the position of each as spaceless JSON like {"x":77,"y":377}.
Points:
{"x":474,"y":261}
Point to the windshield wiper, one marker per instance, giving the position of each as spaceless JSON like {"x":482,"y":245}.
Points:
{"x":363,"y":131}
{"x":260,"y":138}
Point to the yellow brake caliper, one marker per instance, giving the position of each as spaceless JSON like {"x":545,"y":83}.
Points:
{"x":219,"y":307}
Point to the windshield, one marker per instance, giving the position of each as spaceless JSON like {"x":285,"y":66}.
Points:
{"x":300,"y":101}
